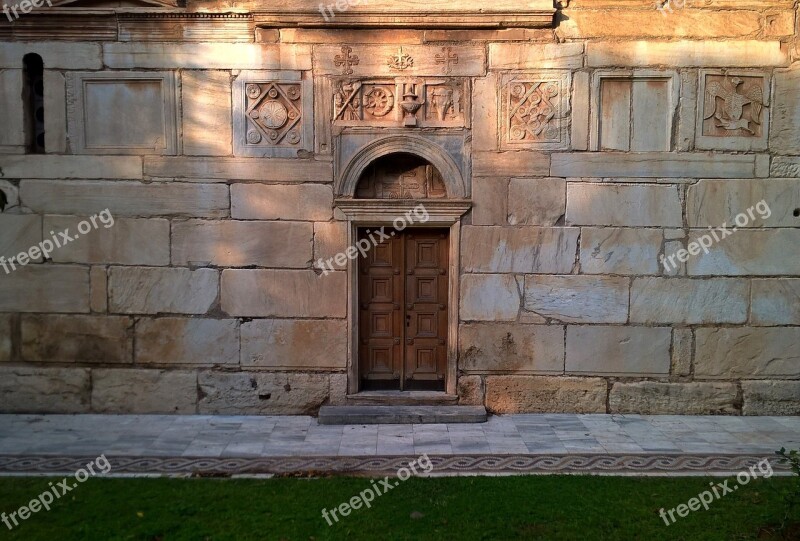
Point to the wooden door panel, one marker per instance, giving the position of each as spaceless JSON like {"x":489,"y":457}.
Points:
{"x":380,"y":292}
{"x":426,"y":309}
{"x":403,"y":292}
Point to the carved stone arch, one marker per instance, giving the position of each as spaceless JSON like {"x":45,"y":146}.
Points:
{"x":402,"y":144}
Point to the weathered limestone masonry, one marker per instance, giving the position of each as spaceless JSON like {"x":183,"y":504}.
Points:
{"x":576,"y":145}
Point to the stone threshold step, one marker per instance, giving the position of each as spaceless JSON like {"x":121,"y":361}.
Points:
{"x":373,"y":415}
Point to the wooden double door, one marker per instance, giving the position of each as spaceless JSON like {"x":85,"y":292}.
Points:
{"x":402,"y":300}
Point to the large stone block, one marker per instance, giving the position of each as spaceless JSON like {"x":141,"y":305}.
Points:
{"x":121,"y":241}
{"x":519,"y":249}
{"x":771,"y":397}
{"x":126,"y":198}
{"x":55,"y":103}
{"x":623,"y":205}
{"x":689,"y":301}
{"x":491,"y":297}
{"x":258,"y":393}
{"x":490,"y":201}
{"x":748,"y":253}
{"x":539,"y":201}
{"x":578,"y":299}
{"x":38,"y":166}
{"x":682,"y":350}
{"x":280,"y":202}
{"x":98,"y":285}
{"x":74,"y":338}
{"x":224,"y":169}
{"x":652,"y":165}
{"x":12,"y":136}
{"x":5,"y":338}
{"x":510,"y":164}
{"x":610,"y":250}
{"x":654,"y":398}
{"x":206,"y":107}
{"x":18,"y":233}
{"x":775,"y":302}
{"x":535,"y":56}
{"x":45,"y":288}
{"x":488,"y":347}
{"x":294,"y":343}
{"x":330,"y":240}
{"x":657,"y":21}
{"x":240,"y":244}
{"x":714,"y":202}
{"x":785,"y":166}
{"x":150,"y":290}
{"x":283,"y":293}
{"x":208,"y":56}
{"x":470,"y":391}
{"x":709,"y":53}
{"x":747,"y":352}
{"x":144,"y":391}
{"x":61,"y":55}
{"x":545,"y":394}
{"x":484,"y":113}
{"x":785,"y":129}
{"x":177,"y":340}
{"x":639,"y":351}
{"x":44,"y":390}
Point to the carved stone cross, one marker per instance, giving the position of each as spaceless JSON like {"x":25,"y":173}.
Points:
{"x":345,"y":61}
{"x":447,"y":58}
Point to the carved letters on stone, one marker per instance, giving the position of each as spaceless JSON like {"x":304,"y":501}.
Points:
{"x":535,"y":109}
{"x":411,"y":102}
{"x":732,"y":112}
{"x":272,"y":115}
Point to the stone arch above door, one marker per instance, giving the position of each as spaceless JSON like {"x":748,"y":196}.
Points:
{"x":353,"y":167}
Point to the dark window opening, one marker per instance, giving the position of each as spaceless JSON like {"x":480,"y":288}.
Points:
{"x":33,"y":94}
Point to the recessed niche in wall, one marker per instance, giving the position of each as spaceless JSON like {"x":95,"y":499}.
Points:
{"x":633,"y":110}
{"x":122,"y":112}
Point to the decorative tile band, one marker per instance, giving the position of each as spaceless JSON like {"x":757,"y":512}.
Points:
{"x":388,"y":465}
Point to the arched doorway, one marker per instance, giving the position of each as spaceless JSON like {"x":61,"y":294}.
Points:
{"x":403,"y":281}
{"x":403,"y":295}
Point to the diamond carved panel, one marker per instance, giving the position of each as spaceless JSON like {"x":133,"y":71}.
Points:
{"x":535,"y":111}
{"x":272,"y":114}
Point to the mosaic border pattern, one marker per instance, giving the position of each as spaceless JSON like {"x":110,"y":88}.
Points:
{"x":388,"y":465}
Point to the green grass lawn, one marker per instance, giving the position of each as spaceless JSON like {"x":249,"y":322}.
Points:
{"x":466,"y":508}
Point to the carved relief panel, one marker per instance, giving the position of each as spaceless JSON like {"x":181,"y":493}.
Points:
{"x":401,"y":176}
{"x":272,"y":114}
{"x":535,"y":110}
{"x":732,"y":110}
{"x":411,"y":102}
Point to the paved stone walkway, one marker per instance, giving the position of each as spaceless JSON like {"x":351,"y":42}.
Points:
{"x":219,"y":438}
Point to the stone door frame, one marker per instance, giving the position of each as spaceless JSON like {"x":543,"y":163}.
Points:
{"x":383,"y":212}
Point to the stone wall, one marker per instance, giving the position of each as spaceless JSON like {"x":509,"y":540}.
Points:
{"x":203,"y":297}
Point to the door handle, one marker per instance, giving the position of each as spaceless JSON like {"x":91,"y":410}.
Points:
{"x":408,"y":320}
